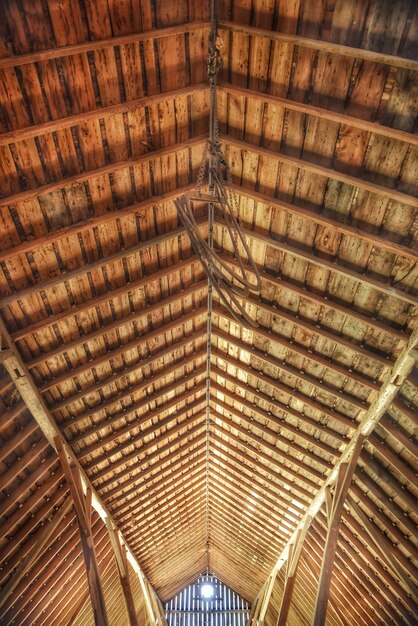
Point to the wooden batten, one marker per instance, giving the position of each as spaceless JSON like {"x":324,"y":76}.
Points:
{"x":144,"y":431}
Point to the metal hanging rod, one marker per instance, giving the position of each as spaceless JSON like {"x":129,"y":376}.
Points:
{"x":228,"y":283}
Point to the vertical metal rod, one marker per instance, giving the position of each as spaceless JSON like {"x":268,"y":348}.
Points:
{"x":212,"y":139}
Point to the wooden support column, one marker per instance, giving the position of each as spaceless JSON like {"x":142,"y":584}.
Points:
{"x":292,"y":566}
{"x":335,"y":498}
{"x":266,"y":597}
{"x":122,"y":565}
{"x":157,"y":607}
{"x":83,"y":508}
{"x":256,"y":606}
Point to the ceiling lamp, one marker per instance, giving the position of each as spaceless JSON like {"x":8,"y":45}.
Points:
{"x":230,"y":285}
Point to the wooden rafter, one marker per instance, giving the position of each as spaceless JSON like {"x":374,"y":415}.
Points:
{"x":91,"y":46}
{"x":42,"y":538}
{"x":333,"y":267}
{"x":326,"y":114}
{"x":388,"y":392}
{"x":106,"y":297}
{"x":320,"y":45}
{"x":320,"y":170}
{"x":327,"y":302}
{"x":140,"y":342}
{"x":99,"y":332}
{"x":21,"y":376}
{"x":343,"y":228}
{"x":111,"y":168}
{"x":83,"y":508}
{"x":36,"y":130}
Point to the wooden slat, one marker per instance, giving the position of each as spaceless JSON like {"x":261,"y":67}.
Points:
{"x":377,"y":241}
{"x":326,"y":114}
{"x":111,"y":168}
{"x":331,"y":266}
{"x":321,"y":45}
{"x":52,"y":126}
{"x":101,"y":44}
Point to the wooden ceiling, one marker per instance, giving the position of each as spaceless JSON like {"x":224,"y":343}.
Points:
{"x":105,"y":111}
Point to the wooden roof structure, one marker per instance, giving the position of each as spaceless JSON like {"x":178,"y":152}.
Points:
{"x":296,"y":483}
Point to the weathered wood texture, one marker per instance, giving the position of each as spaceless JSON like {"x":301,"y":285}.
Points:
{"x":104,"y":114}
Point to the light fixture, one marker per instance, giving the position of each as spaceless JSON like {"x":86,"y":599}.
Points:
{"x":207,"y":591}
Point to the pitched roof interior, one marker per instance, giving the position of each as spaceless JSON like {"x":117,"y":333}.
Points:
{"x":105,"y":111}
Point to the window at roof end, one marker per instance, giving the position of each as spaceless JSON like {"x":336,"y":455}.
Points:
{"x":207,"y":602}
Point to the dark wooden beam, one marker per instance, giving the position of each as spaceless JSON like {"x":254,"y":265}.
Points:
{"x":82,"y":505}
{"x":383,"y":361}
{"x":142,"y":385}
{"x":109,"y":469}
{"x":158,"y":454}
{"x":102,"y":330}
{"x":52,"y":126}
{"x":42,"y":538}
{"x":320,"y":45}
{"x":121,"y":560}
{"x":118,"y":449}
{"x":335,"y":509}
{"x":325,"y":114}
{"x":325,"y":301}
{"x":284,"y":408}
{"x":163,"y":465}
{"x":267,"y":416}
{"x":264,"y":471}
{"x":381,"y":545}
{"x":108,"y":296}
{"x":272,"y":459}
{"x":282,"y":365}
{"x":163,"y":489}
{"x":375,"y":240}
{"x":137,"y":342}
{"x":105,"y":170}
{"x":332,"y":266}
{"x":326,"y":172}
{"x":236,"y":477}
{"x":143,"y":419}
{"x":90,"y":46}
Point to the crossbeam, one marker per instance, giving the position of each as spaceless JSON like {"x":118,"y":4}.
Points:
{"x":333,"y":267}
{"x":320,"y":45}
{"x":314,"y":111}
{"x":320,"y":170}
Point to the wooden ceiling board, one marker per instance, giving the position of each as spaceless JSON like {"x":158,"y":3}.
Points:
{"x":105,"y":111}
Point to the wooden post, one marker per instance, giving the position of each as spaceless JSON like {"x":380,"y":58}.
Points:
{"x":335,"y":505}
{"x":292,"y":566}
{"x":256,"y":606}
{"x":83,"y":508}
{"x":157,"y":608}
{"x":122,"y":566}
{"x":265,"y":600}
